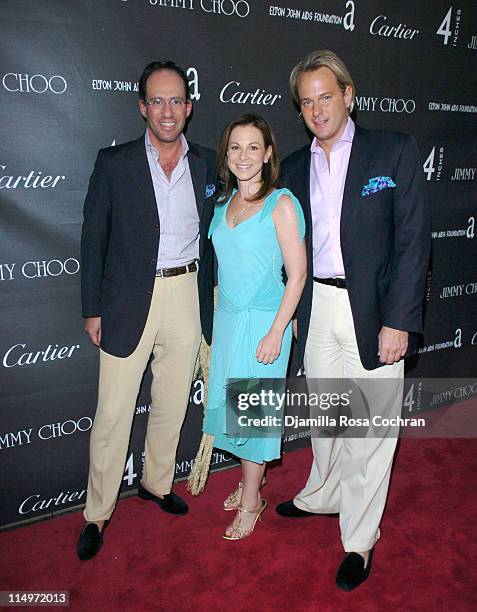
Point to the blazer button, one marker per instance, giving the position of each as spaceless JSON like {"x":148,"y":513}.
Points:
{"x":148,"y":292}
{"x":156,"y":226}
{"x":153,"y":261}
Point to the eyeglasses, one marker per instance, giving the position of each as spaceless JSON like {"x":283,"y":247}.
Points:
{"x":161,"y":103}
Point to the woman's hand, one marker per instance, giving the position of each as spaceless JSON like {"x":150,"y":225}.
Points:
{"x":269,"y":347}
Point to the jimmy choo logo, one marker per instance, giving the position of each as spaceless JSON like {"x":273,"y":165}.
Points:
{"x":15,"y":438}
{"x":36,"y":83}
{"x":458,"y":290}
{"x":183,"y":4}
{"x":41,"y":268}
{"x":65,"y":428}
{"x":397,"y":105}
{"x":459,"y":393}
{"x":33,"y":180}
{"x":232,"y":93}
{"x":239,"y":8}
{"x":17,"y":356}
{"x":380,"y":27}
{"x":46,"y":432}
{"x":53,"y":267}
{"x":463,"y":174}
{"x":216,"y":459}
{"x":446,"y":30}
{"x":385,"y":105}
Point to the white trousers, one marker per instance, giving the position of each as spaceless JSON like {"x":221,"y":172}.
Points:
{"x":349,"y":475}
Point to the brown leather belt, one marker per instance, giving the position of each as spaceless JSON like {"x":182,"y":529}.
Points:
{"x":340,"y":283}
{"x":165,"y":272}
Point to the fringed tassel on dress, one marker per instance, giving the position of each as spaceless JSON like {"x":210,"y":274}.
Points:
{"x":200,"y":468}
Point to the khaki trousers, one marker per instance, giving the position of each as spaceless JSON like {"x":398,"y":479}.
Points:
{"x":172,"y":334}
{"x":348,"y":475}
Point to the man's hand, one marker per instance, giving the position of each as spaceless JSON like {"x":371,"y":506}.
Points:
{"x":92,"y":327}
{"x":392,"y":344}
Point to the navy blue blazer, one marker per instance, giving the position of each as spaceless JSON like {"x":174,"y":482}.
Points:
{"x":120,"y":240}
{"x":385,"y":239}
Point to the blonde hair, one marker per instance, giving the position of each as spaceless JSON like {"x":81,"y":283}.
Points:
{"x":321,"y":58}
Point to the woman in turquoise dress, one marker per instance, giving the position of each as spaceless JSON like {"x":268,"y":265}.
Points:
{"x":257,"y":229}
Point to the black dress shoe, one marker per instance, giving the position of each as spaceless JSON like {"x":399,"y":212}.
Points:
{"x":169,"y":503}
{"x":351,"y":573}
{"x":289,"y":509}
{"x":89,"y":542}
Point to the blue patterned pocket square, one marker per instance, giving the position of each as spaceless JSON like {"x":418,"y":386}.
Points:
{"x":209,"y":190}
{"x":376,"y":184}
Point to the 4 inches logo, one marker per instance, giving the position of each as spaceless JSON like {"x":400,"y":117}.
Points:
{"x":445,"y":29}
{"x":434,"y":163}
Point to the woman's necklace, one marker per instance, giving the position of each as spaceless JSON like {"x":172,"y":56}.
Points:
{"x":236,"y":218}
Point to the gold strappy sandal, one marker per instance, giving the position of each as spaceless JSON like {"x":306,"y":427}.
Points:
{"x":239,"y":533}
{"x":233,"y":500}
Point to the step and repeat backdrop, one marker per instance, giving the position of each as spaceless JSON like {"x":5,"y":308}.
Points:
{"x":68,"y":86}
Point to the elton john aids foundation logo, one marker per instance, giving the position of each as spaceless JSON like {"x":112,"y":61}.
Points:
{"x":124,"y":86}
{"x":313,"y":16}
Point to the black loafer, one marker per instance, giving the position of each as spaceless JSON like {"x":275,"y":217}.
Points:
{"x":89,"y":542}
{"x":171,"y":502}
{"x":289,"y":509}
{"x":351,"y":573}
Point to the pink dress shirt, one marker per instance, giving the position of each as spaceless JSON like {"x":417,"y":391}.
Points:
{"x":326,"y":196}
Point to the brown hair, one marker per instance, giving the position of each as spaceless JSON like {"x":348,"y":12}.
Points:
{"x":319,"y":59}
{"x":270,"y":170}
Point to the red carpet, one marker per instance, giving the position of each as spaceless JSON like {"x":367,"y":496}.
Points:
{"x":426,"y":559}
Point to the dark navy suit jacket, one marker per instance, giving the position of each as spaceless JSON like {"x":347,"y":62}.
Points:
{"x":120,"y":240}
{"x":385,"y":239}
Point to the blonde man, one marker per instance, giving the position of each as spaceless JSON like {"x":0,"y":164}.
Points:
{"x":368,"y":243}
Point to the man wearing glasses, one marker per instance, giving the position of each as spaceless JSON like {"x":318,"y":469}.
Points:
{"x":147,"y":288}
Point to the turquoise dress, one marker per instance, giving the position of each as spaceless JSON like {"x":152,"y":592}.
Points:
{"x":250,"y":290}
